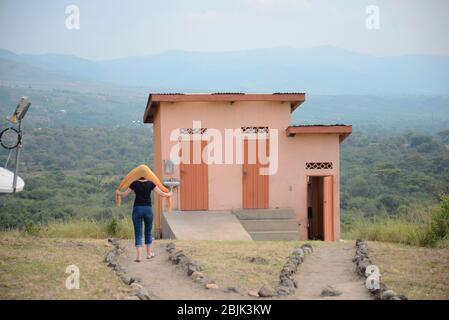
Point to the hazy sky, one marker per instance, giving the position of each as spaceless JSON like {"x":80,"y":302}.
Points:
{"x":113,"y":28}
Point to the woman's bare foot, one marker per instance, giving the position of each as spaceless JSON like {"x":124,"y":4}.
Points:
{"x":151,"y":255}
{"x":139,"y":254}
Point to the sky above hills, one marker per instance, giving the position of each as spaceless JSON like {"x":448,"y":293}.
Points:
{"x":113,"y":28}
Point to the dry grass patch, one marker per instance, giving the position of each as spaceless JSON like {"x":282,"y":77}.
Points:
{"x":34,"y":268}
{"x":419,"y":273}
{"x":229,"y":262}
{"x":83,"y":229}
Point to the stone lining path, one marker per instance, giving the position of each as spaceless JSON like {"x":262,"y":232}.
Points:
{"x":163,"y":280}
{"x":330,"y":264}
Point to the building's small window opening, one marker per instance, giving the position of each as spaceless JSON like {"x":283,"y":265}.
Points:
{"x":254,"y":129}
{"x":318,"y":165}
{"x":192,"y":130}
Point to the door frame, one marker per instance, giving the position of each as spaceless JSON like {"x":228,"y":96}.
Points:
{"x":267,"y":199}
{"x":205,"y":190}
{"x":328,"y":230}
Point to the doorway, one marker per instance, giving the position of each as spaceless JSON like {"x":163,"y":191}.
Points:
{"x":320,"y":213}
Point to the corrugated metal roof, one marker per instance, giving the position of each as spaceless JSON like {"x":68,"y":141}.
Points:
{"x":154,"y":99}
{"x":320,"y":125}
{"x":288,"y":93}
{"x":218,"y":93}
{"x":169,"y":93}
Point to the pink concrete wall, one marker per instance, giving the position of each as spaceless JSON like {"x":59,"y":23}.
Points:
{"x":288,"y":186}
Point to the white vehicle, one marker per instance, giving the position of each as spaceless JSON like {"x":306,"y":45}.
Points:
{"x":6,"y":181}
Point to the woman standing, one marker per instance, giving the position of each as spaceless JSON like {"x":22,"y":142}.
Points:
{"x":142,"y":211}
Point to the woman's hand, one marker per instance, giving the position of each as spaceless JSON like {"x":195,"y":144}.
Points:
{"x":162,"y":193}
{"x":123,"y":194}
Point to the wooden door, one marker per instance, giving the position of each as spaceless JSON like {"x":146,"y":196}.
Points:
{"x":254,"y":185}
{"x":328,"y":208}
{"x":194,"y":184}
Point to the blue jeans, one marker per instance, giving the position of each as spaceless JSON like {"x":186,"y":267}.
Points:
{"x":144,"y":213}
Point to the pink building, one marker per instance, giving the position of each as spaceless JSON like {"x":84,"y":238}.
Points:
{"x":299,"y":199}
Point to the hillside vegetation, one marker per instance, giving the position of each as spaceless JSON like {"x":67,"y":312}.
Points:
{"x":77,"y":146}
{"x":390,"y":186}
{"x":72,"y":173}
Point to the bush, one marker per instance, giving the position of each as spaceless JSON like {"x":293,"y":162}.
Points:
{"x":32,"y":229}
{"x":112,"y":227}
{"x":439,"y":223}
{"x":384,"y":230}
{"x":427,"y":231}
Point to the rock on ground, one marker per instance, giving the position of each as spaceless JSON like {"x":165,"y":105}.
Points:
{"x":266,"y":291}
{"x":330,"y":291}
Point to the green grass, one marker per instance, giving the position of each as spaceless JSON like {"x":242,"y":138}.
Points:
{"x":83,"y":229}
{"x":386,"y":230}
{"x":427,"y":229}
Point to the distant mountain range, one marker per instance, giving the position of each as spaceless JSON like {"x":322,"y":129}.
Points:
{"x":322,"y":70}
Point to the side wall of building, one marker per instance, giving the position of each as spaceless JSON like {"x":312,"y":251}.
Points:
{"x":157,"y":163}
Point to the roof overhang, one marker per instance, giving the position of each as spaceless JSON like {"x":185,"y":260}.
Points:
{"x":342,"y":130}
{"x":154,"y":100}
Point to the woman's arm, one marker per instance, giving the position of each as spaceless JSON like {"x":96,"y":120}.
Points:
{"x":124,"y":193}
{"x":162,"y":193}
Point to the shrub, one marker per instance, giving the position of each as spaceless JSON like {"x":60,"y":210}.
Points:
{"x":409,"y":228}
{"x":112,"y":227}
{"x":32,"y":229}
{"x":438,"y":229}
{"x":385,"y":230}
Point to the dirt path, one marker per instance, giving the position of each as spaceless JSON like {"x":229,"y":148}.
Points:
{"x":330,"y":264}
{"x":163,"y":280}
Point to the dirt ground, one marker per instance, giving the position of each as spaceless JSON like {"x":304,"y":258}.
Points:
{"x":419,"y":273}
{"x":163,"y":280}
{"x":34,"y":268}
{"x":246,"y":265}
{"x":330,"y":264}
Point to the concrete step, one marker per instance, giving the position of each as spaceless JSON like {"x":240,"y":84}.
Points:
{"x":203,"y":225}
{"x":274,"y":235}
{"x":270,"y":225}
{"x":264,"y":214}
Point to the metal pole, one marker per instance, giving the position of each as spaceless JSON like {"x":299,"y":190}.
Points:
{"x":14,"y":183}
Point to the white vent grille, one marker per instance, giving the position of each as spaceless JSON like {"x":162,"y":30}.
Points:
{"x":255,"y":129}
{"x":319,"y":165}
